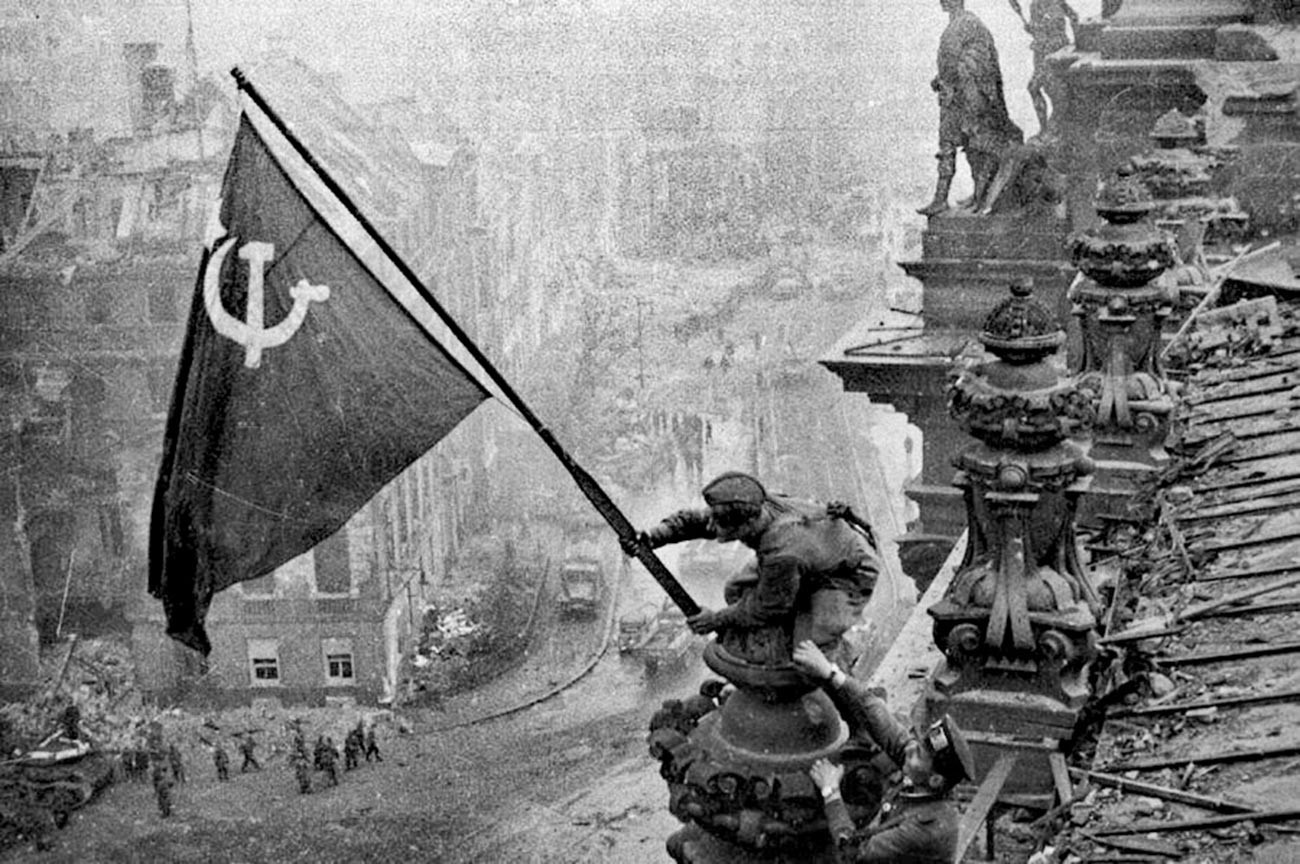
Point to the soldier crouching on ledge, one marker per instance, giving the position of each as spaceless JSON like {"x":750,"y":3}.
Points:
{"x":816,"y":564}
{"x":918,"y":823}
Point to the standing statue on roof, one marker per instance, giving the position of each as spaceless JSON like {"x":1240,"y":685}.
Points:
{"x":1048,"y":33}
{"x":972,"y":109}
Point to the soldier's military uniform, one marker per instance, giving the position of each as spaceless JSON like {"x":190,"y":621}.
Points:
{"x":160,"y":774}
{"x":372,"y":746}
{"x":177,"y":763}
{"x":814,"y":569}
{"x":916,"y":826}
{"x":222,"y":760}
{"x":246,"y":747}
{"x":329,"y":757}
{"x":352,"y":746}
{"x":302,"y":772}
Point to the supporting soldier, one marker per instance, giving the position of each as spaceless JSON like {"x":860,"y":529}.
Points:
{"x":918,"y":821}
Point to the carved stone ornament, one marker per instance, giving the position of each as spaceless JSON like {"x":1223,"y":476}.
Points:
{"x":1125,"y":251}
{"x":1121,"y":312}
{"x":1020,"y":613}
{"x":737,"y":772}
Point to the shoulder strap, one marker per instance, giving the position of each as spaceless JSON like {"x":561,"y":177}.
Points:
{"x":842,"y":511}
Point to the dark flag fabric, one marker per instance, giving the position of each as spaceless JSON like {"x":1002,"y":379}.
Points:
{"x":307,"y":381}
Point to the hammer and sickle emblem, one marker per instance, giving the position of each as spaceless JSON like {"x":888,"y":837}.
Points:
{"x":251,"y":333}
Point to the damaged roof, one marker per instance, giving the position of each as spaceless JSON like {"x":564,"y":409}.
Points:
{"x":1197,"y":754}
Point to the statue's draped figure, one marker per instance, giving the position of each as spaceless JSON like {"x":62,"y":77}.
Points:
{"x":972,"y":108}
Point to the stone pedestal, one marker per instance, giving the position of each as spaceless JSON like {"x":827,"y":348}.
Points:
{"x":738,"y":773}
{"x":1018,"y":623}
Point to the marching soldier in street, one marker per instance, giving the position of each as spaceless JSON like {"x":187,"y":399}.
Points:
{"x":221,"y":759}
{"x":372,"y":745}
{"x":918,"y":821}
{"x":328,"y":757}
{"x":352,"y":747}
{"x":161,"y":776}
{"x":247,"y":747}
{"x":299,"y":739}
{"x":176,"y":762}
{"x":302,"y":771}
{"x":816,"y":564}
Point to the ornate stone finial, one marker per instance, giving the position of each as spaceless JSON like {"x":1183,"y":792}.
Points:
{"x":1124,"y":200}
{"x":1176,"y":129}
{"x":1121,"y":308}
{"x":1020,"y":330}
{"x":1019,"y":401}
{"x":1127,"y":251}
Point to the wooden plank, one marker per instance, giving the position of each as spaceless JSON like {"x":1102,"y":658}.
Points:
{"x":1221,"y":575}
{"x":1253,"y":754}
{"x":1061,"y":778}
{"x":1230,"y":702}
{"x":1155,"y":790}
{"x":1276,"y":381}
{"x":983,"y":802}
{"x":1275,"y":608}
{"x":1249,"y":507}
{"x":1257,"y":816}
{"x":1248,"y":542}
{"x":1252,"y":652}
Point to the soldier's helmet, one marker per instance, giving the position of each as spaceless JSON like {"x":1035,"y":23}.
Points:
{"x":952,"y":756}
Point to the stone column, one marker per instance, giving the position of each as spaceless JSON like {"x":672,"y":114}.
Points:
{"x":1018,"y":625}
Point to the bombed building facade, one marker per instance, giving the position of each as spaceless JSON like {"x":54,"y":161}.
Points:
{"x":103,"y":224}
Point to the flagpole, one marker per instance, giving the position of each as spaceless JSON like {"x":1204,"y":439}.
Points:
{"x":599,"y":499}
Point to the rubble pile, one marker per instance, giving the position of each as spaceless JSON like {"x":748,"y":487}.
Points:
{"x":95,"y":675}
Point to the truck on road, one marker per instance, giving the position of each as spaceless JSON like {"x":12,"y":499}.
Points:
{"x":581,"y":580}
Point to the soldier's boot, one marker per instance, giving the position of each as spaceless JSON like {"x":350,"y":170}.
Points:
{"x":947,"y":168}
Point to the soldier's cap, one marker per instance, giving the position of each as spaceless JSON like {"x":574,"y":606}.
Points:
{"x":734,"y":487}
{"x":951,"y":754}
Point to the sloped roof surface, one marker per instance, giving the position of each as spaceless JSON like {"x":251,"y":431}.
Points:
{"x":1198,"y":757}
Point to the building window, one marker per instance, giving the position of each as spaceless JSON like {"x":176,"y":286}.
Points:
{"x":333,"y":564}
{"x":264,"y":662}
{"x":338,"y":661}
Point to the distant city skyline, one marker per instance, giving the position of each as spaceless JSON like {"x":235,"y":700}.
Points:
{"x":374,"y":52}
